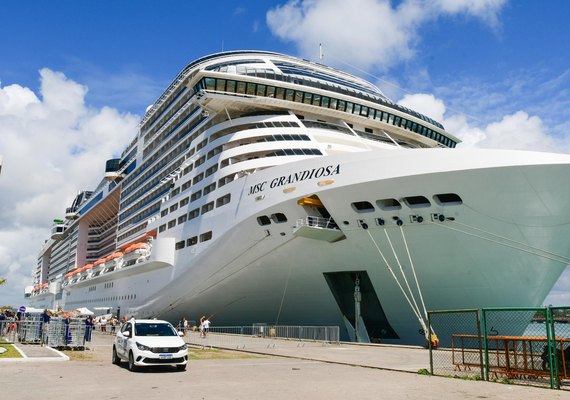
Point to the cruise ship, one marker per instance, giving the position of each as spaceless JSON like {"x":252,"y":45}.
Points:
{"x":264,"y":188}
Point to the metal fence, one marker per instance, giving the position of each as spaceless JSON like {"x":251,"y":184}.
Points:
{"x":242,"y":337}
{"x":58,"y":332}
{"x":529,"y":346}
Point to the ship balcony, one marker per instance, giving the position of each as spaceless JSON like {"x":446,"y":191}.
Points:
{"x":318,"y":228}
{"x":113,"y":169}
{"x":71,"y":213}
{"x":57,"y":231}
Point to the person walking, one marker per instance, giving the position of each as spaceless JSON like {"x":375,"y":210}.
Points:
{"x":88,"y":328}
{"x":103,"y":324}
{"x":184,"y":325}
{"x":206,"y":325}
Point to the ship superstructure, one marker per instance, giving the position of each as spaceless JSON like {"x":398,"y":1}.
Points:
{"x":266,"y":188}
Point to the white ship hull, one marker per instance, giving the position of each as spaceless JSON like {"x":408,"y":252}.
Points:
{"x":506,"y":246}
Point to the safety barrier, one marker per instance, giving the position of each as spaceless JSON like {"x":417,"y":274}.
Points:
{"x":241,"y":337}
{"x":529,"y":346}
{"x":58,"y":332}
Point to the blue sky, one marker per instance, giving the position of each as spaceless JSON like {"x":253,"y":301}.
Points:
{"x":75,"y":77}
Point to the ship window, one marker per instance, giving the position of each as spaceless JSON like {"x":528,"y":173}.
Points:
{"x":207,"y":207}
{"x":356,"y":109}
{"x":417,"y":202}
{"x":316,"y":99}
{"x":210,"y":188}
{"x":448,"y":199}
{"x":261,"y":90}
{"x":196,"y":195}
{"x":231,"y":86}
{"x":192,"y":241}
{"x":200,"y":161}
{"x":388,"y":204}
{"x":187,"y":169}
{"x":220,"y":84}
{"x":223,"y":200}
{"x":163,"y":213}
{"x":206,"y":236}
{"x":179,"y":245}
{"x":280,"y":93}
{"x":278,"y":218}
{"x":182,"y":219}
{"x":289,"y":94}
{"x":241,"y":87}
{"x":270,"y":91}
{"x":193,"y":214}
{"x":212,"y":169}
{"x":173,"y":207}
{"x":198,"y":178}
{"x":171,"y":224}
{"x":210,"y":83}
{"x":263,"y":220}
{"x":250,"y":88}
{"x":308,"y":99}
{"x":362,"y":206}
{"x":186,"y":185}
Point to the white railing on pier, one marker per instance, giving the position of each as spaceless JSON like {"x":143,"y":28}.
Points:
{"x":263,"y":336}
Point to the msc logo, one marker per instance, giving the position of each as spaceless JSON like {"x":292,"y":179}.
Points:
{"x":259,"y":187}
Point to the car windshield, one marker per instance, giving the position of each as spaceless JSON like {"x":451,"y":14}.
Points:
{"x":146,"y":329}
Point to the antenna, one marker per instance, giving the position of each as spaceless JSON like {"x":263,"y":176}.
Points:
{"x":321,"y":55}
{"x":222,"y":44}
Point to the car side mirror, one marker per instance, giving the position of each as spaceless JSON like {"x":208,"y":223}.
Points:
{"x":180,"y":333}
{"x":126,"y":333}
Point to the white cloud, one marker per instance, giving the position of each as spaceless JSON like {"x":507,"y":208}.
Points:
{"x":52,"y":145}
{"x":369,"y":34}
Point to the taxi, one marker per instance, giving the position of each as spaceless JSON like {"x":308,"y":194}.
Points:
{"x":149,"y":342}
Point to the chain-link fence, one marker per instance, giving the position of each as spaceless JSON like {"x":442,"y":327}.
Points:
{"x":529,"y":346}
{"x":459,"y":348}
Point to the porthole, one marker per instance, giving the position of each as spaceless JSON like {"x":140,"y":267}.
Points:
{"x":448,"y":199}
{"x":388,"y":204}
{"x":362,"y":206}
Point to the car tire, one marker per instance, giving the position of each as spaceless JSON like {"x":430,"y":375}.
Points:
{"x":181,"y":367}
{"x":132,"y":366}
{"x":115,"y":358}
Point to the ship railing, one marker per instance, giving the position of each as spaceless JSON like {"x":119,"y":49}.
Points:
{"x":316,"y":222}
{"x":262,"y":336}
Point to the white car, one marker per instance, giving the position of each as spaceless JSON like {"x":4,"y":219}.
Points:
{"x":149,"y":342}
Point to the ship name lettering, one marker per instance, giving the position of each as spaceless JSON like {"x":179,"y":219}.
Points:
{"x":300,"y":176}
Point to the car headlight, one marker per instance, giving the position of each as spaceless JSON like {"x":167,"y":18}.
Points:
{"x":183,"y":347}
{"x":143,"y":347}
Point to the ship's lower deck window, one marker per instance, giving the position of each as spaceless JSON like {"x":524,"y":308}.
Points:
{"x":191,"y":241}
{"x":205,"y":236}
{"x":362,"y":206}
{"x":210,"y":188}
{"x":278,"y":218}
{"x":182,"y":219}
{"x":223,"y":200}
{"x":184,"y":201}
{"x":162,"y":228}
{"x":171,"y":224}
{"x":196,"y":195}
{"x":193,"y":214}
{"x":263,"y":220}
{"x":388,"y":204}
{"x":417,"y":202}
{"x":179,"y":245}
{"x":207,"y":207}
{"x":448,"y":199}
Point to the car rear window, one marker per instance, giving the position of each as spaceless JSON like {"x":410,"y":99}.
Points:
{"x":154,"y":330}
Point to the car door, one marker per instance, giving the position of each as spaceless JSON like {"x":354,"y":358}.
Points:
{"x":123,"y":339}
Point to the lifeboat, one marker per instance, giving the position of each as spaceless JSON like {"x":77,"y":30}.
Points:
{"x":113,"y":261}
{"x":135,"y":253}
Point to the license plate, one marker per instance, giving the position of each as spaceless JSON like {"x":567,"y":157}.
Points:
{"x":165,"y":355}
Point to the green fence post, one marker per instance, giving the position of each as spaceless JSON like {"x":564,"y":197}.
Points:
{"x":429,"y":345}
{"x":477,"y":316}
{"x":484,"y":312}
{"x":551,"y":338}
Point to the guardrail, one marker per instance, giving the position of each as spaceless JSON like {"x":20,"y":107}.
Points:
{"x":241,"y":337}
{"x":59,"y":332}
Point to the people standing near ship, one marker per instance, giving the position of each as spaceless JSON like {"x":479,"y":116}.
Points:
{"x":206,"y":325}
{"x":88,"y":328}
{"x":202,"y":319}
{"x":103,"y":323}
{"x":114,"y":324}
{"x":45,"y":318}
{"x":184,"y":325}
{"x":67,"y":332}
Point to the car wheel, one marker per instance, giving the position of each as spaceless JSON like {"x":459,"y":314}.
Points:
{"x":132,"y":366}
{"x":181,"y":367}
{"x":115,"y":358}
